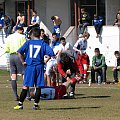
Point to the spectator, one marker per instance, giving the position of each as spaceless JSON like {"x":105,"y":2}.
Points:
{"x":57,"y":22}
{"x":99,"y":66}
{"x":98,"y":23}
{"x":35,"y":22}
{"x":84,"y":20}
{"x":116,"y":69}
{"x":8,"y":25}
{"x":20,"y":21}
{"x":117,"y":19}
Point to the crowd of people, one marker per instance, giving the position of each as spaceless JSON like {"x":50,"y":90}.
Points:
{"x":50,"y":62}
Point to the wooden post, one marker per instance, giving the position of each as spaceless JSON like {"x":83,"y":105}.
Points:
{"x":76,"y":18}
{"x":28,"y":15}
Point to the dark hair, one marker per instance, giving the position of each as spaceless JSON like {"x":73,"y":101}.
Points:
{"x":42,"y":30}
{"x":35,"y":32}
{"x":35,"y":12}
{"x":19,"y":28}
{"x":116,"y":52}
{"x":97,"y":49}
{"x":63,"y":57}
{"x":62,"y":38}
{"x":54,"y":34}
{"x":53,"y":17}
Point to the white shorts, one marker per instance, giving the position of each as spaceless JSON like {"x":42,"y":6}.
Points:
{"x":49,"y":66}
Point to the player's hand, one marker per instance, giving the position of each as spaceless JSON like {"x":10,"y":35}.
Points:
{"x":113,"y":68}
{"x":68,"y":72}
{"x":24,"y":63}
{"x":95,"y":68}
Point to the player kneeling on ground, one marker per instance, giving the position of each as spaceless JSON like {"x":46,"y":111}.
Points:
{"x":34,"y":49}
{"x":68,"y":69}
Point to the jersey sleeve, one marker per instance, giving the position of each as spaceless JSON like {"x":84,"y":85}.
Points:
{"x":76,"y":44}
{"x":49,"y":51}
{"x":23,"y":49}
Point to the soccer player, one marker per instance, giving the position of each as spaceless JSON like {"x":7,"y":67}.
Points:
{"x":68,"y":69}
{"x":34,"y":49}
{"x":14,"y":42}
{"x":83,"y":59}
{"x":57,"y":22}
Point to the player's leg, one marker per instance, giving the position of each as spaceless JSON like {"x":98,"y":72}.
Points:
{"x":38,"y":83}
{"x":28,"y":82}
{"x":22,"y":98}
{"x":13,"y":72}
{"x":85,"y":66}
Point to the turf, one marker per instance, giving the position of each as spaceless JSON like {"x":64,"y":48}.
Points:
{"x":90,"y":103}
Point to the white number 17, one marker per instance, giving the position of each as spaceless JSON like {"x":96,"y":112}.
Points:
{"x":37,"y":47}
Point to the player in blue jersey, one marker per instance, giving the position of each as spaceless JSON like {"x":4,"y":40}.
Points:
{"x":34,"y":50}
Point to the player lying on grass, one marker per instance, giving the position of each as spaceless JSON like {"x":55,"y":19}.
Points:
{"x":34,"y":50}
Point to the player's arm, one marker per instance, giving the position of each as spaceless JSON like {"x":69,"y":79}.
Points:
{"x":21,"y":58}
{"x":75,"y":47}
{"x":47,"y":59}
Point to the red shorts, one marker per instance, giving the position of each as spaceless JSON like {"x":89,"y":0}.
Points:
{"x":83,"y":59}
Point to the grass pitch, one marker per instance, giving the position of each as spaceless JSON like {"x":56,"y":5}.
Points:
{"x":92,"y":103}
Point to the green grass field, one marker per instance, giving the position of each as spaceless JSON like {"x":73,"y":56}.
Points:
{"x":92,"y":103}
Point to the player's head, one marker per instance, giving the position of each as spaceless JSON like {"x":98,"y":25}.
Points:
{"x":117,"y":54}
{"x":34,"y":13}
{"x":42,"y":33}
{"x":54,"y":36}
{"x":53,"y":18}
{"x":35,"y":33}
{"x":64,"y":58}
{"x":19,"y":13}
{"x":19,"y":30}
{"x":62,"y":40}
{"x":83,"y":10}
{"x":97,"y":51}
{"x":86,"y":35}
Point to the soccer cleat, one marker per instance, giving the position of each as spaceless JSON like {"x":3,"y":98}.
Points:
{"x":36,"y":108}
{"x":18,"y":107}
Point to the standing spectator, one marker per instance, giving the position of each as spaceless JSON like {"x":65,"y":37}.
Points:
{"x":117,"y":19}
{"x":84,"y":20}
{"x":14,"y":42}
{"x":99,"y":66}
{"x":35,"y":50}
{"x":116,"y":69}
{"x":8,"y":25}
{"x":83,"y":59}
{"x":98,"y":23}
{"x":35,"y":22}
{"x":57,"y":22}
{"x":20,"y":21}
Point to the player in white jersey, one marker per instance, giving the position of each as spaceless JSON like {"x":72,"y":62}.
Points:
{"x":83,"y":59}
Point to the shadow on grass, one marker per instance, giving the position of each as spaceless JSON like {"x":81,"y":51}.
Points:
{"x":74,"y":108}
{"x":99,"y":97}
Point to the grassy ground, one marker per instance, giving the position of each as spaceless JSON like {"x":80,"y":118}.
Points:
{"x":91,"y":103}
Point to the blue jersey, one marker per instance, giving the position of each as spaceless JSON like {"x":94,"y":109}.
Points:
{"x":34,"y":51}
{"x":98,"y":20}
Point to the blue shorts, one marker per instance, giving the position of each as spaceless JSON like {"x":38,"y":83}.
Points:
{"x":57,"y":30}
{"x":34,"y":76}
